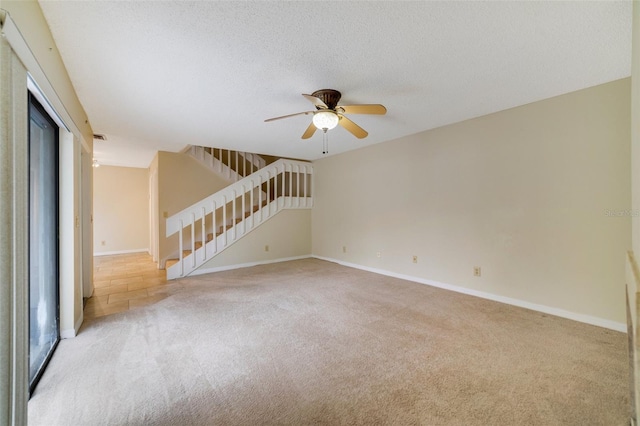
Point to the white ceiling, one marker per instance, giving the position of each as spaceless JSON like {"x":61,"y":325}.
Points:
{"x":161,"y":75}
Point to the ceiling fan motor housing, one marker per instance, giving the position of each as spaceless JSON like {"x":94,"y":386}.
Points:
{"x":329,"y":96}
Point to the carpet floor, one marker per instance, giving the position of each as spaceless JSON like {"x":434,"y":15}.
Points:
{"x":312,"y":342}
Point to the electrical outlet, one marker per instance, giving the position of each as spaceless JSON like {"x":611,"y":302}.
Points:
{"x":415,"y":259}
{"x":344,"y":249}
{"x":266,"y":248}
{"x":477,"y":271}
{"x":378,"y":254}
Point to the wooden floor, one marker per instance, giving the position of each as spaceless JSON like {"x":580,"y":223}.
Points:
{"x":126,"y":281}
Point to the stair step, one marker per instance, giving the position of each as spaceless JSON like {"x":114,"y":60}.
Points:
{"x":170,"y":262}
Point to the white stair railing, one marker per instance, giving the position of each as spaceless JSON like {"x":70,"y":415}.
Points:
{"x":232,"y":165}
{"x":211,"y":225}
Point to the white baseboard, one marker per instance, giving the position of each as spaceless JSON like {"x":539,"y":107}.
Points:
{"x":202,"y":271}
{"x":588,"y":319}
{"x":73,"y":332}
{"x":109,"y":253}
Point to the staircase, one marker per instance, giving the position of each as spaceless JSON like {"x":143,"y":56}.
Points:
{"x":213,"y":224}
{"x":229,"y":164}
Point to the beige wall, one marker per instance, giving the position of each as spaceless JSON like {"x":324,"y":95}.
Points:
{"x":632,"y":272}
{"x":635,"y":124}
{"x":522,"y":193}
{"x":32,"y":25}
{"x":288,"y":235}
{"x":120,"y":209}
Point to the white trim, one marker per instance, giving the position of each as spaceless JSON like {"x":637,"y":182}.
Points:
{"x":588,"y":319}
{"x":73,"y":332}
{"x":245,"y":265}
{"x":109,"y":253}
{"x":37,"y":93}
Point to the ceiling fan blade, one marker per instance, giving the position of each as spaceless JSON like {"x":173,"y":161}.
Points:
{"x":352,"y":127}
{"x":316,"y":101}
{"x":287,"y":116}
{"x":364,"y":109}
{"x":310,"y":131}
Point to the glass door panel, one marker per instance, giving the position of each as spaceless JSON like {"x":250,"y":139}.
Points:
{"x":43,"y":240}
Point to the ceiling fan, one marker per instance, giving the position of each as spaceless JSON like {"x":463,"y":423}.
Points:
{"x":329,"y":114}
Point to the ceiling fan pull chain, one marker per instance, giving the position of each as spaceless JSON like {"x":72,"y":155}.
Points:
{"x":325,"y":142}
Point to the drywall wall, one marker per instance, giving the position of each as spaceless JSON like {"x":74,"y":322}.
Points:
{"x":182,"y":181}
{"x":537,"y":196}
{"x":287,"y":235}
{"x":632,"y":270}
{"x":120,"y":209}
{"x":33,"y":26}
{"x":635,"y":136}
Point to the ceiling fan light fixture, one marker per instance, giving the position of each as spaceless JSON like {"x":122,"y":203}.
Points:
{"x":325,"y":120}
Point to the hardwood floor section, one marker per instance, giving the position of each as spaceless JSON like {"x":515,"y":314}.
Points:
{"x":126,"y":281}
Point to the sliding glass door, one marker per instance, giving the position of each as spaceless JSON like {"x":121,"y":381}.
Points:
{"x":43,"y":240}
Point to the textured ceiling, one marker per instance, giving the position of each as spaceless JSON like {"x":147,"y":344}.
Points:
{"x":161,"y":75}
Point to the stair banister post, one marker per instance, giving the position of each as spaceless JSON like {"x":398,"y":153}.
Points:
{"x":298,"y":179}
{"x":268,"y":195}
{"x":181,"y":248}
{"x":305,"y":186}
{"x":290,"y":185}
{"x":204,"y":235}
{"x":276,"y":187}
{"x":224,"y":219}
{"x":213,"y":223}
{"x":244,"y":222}
{"x":260,"y":195}
{"x":284,"y":175}
{"x":252,"y":186}
{"x":193,"y":238}
{"x":233,"y":215}
{"x":309,"y":187}
{"x":290,"y":174}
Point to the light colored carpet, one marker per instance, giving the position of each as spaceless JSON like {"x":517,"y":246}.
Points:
{"x":312,"y":342}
